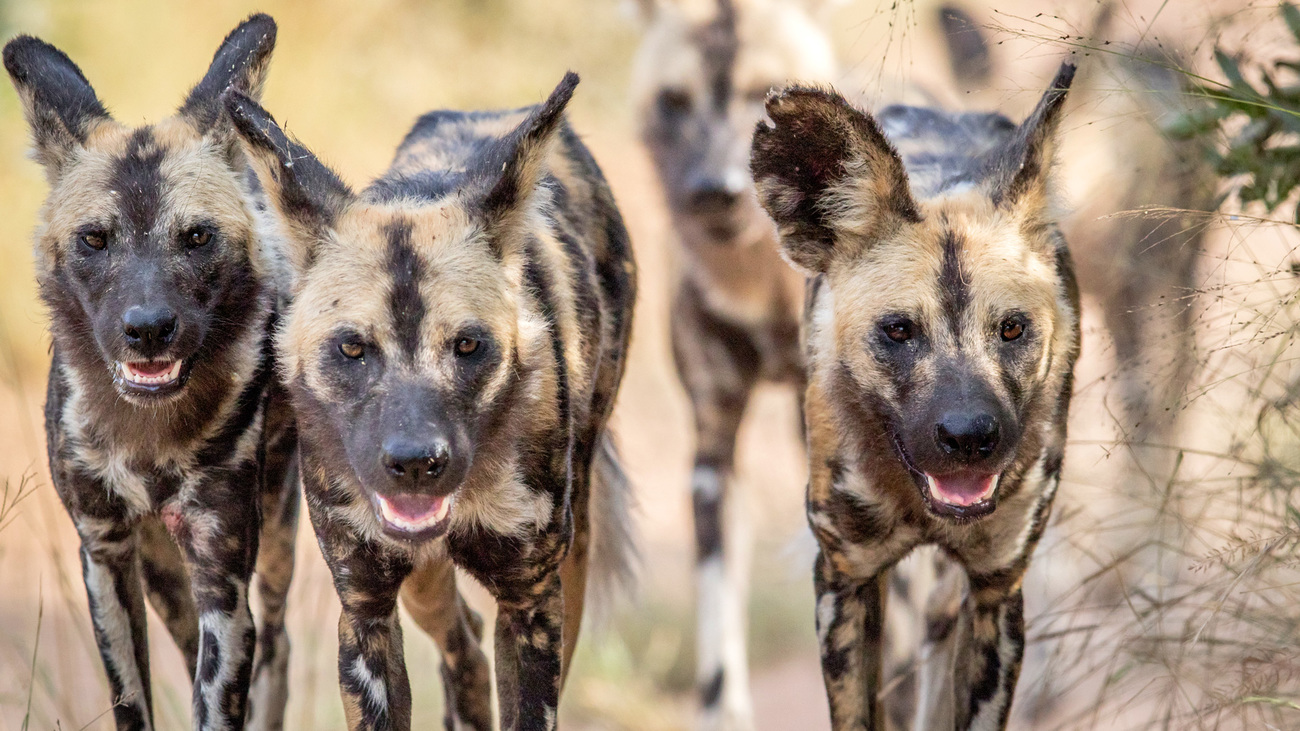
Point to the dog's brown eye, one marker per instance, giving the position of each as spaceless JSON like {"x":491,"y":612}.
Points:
{"x":899,"y":331}
{"x":466,"y":346}
{"x":1012,"y":329}
{"x":196,"y":237}
{"x":95,"y":240}
{"x":352,"y":350}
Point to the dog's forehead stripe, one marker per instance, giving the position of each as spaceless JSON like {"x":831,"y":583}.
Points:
{"x":952,"y":281}
{"x":405,"y":271}
{"x":720,"y":44}
{"x":137,"y":180}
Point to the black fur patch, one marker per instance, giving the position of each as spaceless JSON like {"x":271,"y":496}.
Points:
{"x":404,"y":300}
{"x":720,"y":44}
{"x":952,"y":282}
{"x":711,"y":692}
{"x":237,"y":64}
{"x":55,"y":83}
{"x":138,"y":179}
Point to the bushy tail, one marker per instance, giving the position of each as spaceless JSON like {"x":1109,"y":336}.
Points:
{"x":614,"y":558}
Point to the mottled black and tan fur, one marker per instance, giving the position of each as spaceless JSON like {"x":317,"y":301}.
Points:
{"x":702,"y":73}
{"x":169,"y":443}
{"x":942,"y":329}
{"x":456,"y":339}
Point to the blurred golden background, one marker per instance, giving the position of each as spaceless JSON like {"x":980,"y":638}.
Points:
{"x":348,"y":79}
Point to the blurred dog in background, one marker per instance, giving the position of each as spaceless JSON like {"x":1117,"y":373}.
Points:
{"x":700,"y":78}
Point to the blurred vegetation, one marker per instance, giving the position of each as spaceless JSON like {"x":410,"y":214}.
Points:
{"x":1260,"y":121}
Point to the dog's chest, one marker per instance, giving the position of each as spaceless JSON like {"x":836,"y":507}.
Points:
{"x":145,"y":483}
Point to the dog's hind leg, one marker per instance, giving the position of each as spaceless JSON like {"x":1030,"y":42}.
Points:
{"x":719,"y":367}
{"x":430,"y":596}
{"x":167,"y":586}
{"x":269,"y":691}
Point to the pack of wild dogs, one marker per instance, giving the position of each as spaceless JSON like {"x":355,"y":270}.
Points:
{"x":432,"y":359}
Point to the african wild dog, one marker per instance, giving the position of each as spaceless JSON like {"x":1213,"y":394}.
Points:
{"x":701,"y":76}
{"x":161,"y":415}
{"x":457,"y":335}
{"x":941,"y":333}
{"x":1140,"y":269}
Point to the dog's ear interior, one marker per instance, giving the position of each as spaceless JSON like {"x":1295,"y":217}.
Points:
{"x":1020,"y":170}
{"x":308,"y":195}
{"x":828,"y":177}
{"x":510,"y":170}
{"x":240,"y":63}
{"x":60,"y":106}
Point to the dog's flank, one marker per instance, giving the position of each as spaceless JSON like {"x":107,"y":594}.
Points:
{"x":941,"y":333}
{"x":161,"y":416}
{"x":457,"y":335}
{"x":700,"y":78}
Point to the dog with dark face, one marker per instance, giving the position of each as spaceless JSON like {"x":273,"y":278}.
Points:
{"x":457,"y":336}
{"x":162,"y":416}
{"x":702,"y":73}
{"x":942,"y":327}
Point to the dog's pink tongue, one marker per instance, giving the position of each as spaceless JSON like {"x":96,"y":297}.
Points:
{"x":414,"y":507}
{"x":961,"y":489}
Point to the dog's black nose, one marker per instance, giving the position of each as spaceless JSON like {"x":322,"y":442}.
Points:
{"x":415,"y":463}
{"x":149,"y":329}
{"x":714,"y":193}
{"x":712,"y":198}
{"x":968,"y":437}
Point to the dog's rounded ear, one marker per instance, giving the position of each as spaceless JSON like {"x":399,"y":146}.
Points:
{"x":1020,"y":172}
{"x":510,"y":171}
{"x":828,"y":177}
{"x":60,"y":106}
{"x":240,"y":63}
{"x":306,"y":194}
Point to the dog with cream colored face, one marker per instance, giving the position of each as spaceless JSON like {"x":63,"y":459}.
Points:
{"x":699,"y":81}
{"x":941,"y":331}
{"x":170,"y":443}
{"x":457,"y":336}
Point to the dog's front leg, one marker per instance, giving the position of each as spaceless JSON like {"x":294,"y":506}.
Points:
{"x":850,"y":625}
{"x":110,"y":566}
{"x":372,"y":668}
{"x":217,"y":530}
{"x":529,"y":646}
{"x":989,"y":661}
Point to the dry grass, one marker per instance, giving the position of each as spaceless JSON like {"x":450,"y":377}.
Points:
{"x":1195,"y":630}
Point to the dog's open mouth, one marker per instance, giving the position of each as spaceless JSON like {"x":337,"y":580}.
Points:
{"x":153,"y":377}
{"x":962,"y":494}
{"x":414,"y":516}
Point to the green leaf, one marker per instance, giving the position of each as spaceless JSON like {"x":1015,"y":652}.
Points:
{"x":1230,"y":69}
